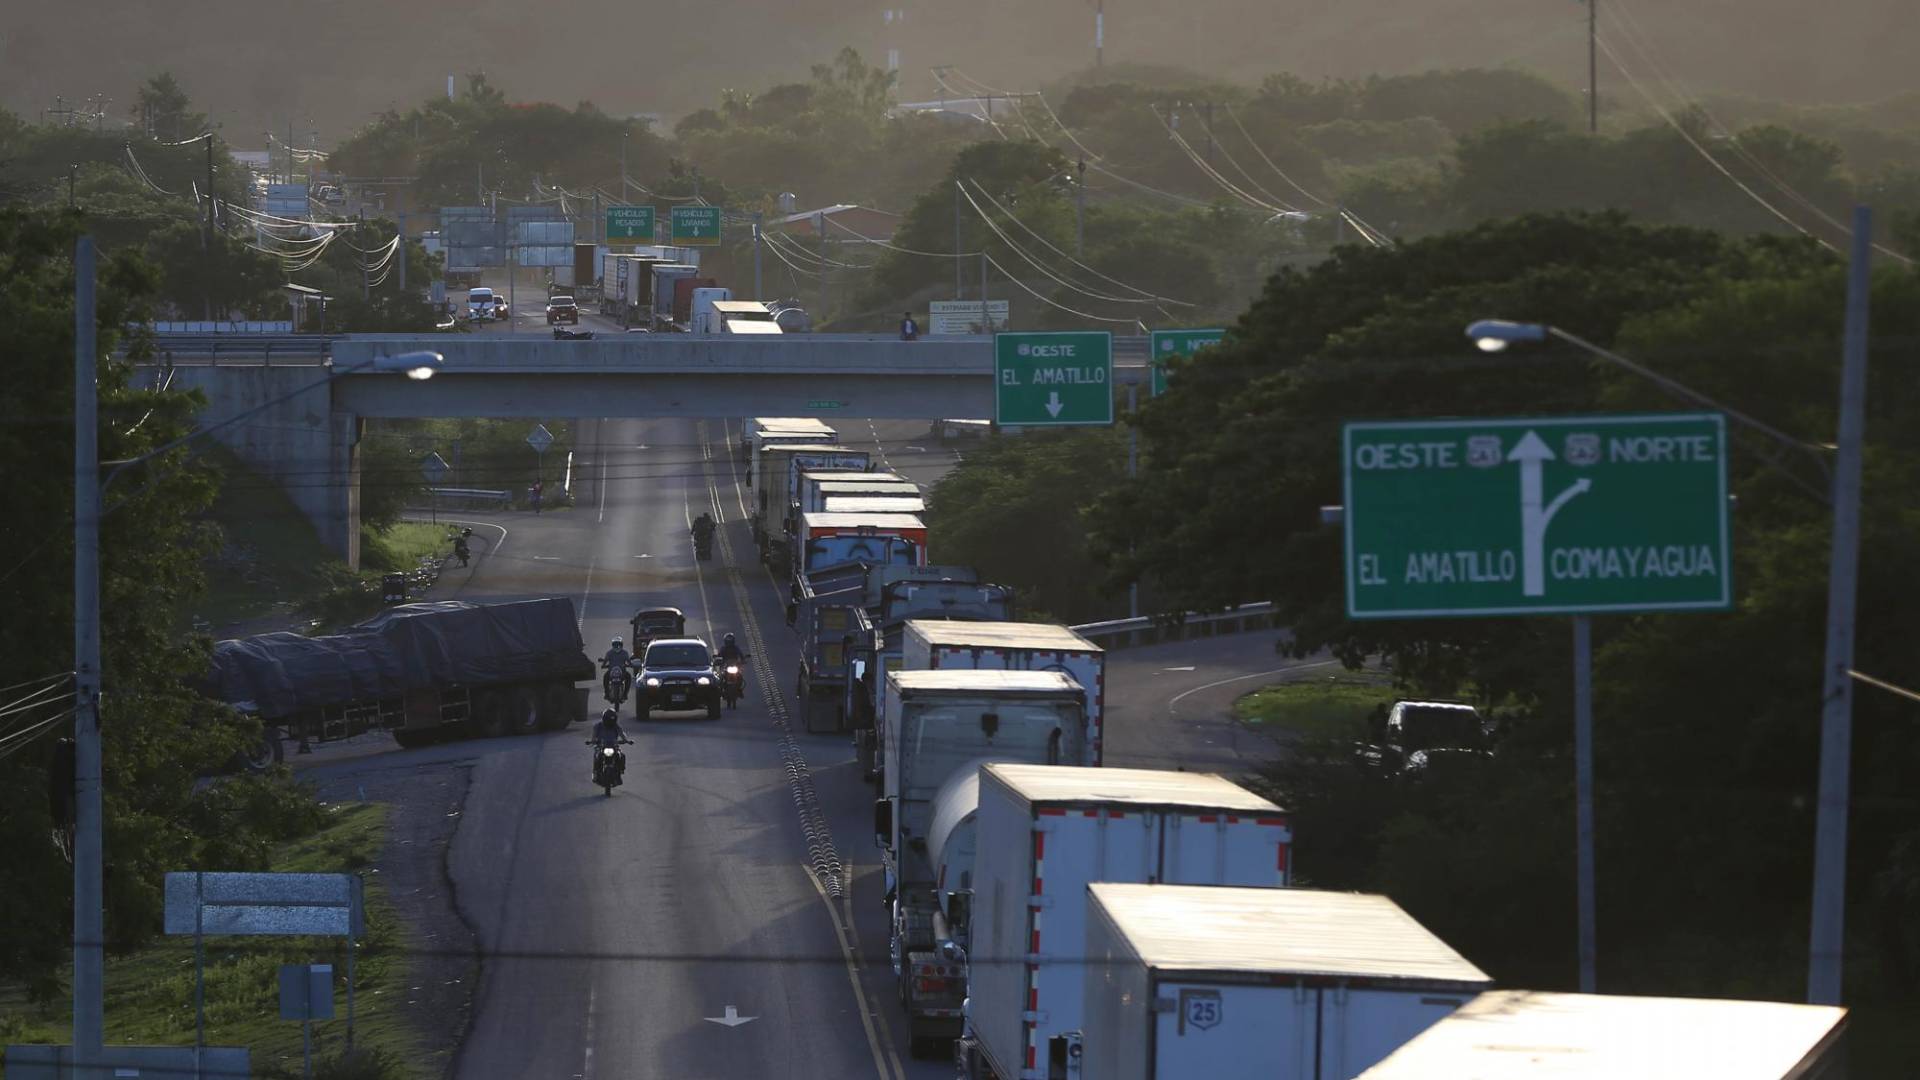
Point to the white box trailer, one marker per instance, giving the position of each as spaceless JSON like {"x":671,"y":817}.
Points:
{"x":1189,"y":982}
{"x":941,"y":645}
{"x":875,"y":504}
{"x":1041,"y":835}
{"x":817,"y":488}
{"x":1528,"y":1035}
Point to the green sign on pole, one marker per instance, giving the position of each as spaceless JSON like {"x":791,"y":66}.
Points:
{"x":1564,"y":515}
{"x":629,"y":225}
{"x":1165,"y":343}
{"x":695,"y":226}
{"x":1053,"y":379}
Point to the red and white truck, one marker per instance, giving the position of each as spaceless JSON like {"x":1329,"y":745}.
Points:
{"x":1191,"y":981}
{"x":939,"y":645}
{"x":1041,"y":834}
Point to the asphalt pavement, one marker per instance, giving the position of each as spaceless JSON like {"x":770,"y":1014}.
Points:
{"x":734,"y":875}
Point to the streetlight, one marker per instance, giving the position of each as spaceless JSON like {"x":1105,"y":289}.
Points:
{"x":1826,"y":939}
{"x":89,"y":489}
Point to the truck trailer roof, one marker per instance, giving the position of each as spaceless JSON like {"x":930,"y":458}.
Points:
{"x":1529,"y":1035}
{"x":1232,"y":931}
{"x":1002,"y":635}
{"x":1139,"y":787}
{"x":854,"y":521}
{"x":969,"y":681}
{"x":789,"y":423}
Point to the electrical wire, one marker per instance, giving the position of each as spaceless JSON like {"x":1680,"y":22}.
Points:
{"x":17,"y":741}
{"x":1194,"y":156}
{"x":888,"y":245}
{"x":1051,"y":302}
{"x":799,"y":249}
{"x":986,"y":107}
{"x":1623,"y":19}
{"x":1215,"y":140}
{"x":1035,"y":263}
{"x":38,"y":705}
{"x":1050,"y":247}
{"x":36,"y":682}
{"x":1681,"y":130}
{"x":1231,"y":115}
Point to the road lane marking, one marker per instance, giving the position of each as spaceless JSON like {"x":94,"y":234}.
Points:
{"x":1175,"y":699}
{"x":586,"y":1066}
{"x":880,"y":1061}
{"x":732,"y":1019}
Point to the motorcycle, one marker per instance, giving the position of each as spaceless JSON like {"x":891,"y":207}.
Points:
{"x":609,"y":765}
{"x":733,"y":683}
{"x":703,"y":548}
{"x":461,"y":551}
{"x":617,"y":684}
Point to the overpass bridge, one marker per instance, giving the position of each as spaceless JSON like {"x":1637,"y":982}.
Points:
{"x":310,"y":442}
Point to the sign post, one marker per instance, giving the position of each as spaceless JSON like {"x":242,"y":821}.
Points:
{"x":1564,"y":515}
{"x":539,"y":438}
{"x":695,"y":226}
{"x":434,"y":469}
{"x":1168,"y":343}
{"x":629,"y":225}
{"x":1053,"y":380}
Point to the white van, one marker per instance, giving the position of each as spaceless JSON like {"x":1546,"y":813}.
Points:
{"x":480,"y":303}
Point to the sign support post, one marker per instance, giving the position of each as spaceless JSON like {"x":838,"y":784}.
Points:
{"x":1583,"y":795}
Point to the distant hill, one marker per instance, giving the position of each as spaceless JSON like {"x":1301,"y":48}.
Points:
{"x":331,"y":64}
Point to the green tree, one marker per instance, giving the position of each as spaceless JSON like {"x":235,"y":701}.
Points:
{"x":164,"y":110}
{"x":158,"y":734}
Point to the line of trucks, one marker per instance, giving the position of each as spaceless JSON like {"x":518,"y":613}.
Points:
{"x":660,"y":289}
{"x":1050,"y":917}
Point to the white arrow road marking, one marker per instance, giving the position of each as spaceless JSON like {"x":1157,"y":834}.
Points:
{"x":643,"y":556}
{"x":732,"y":1019}
{"x":1053,"y":404}
{"x":1189,"y":667}
{"x":1533,"y":454}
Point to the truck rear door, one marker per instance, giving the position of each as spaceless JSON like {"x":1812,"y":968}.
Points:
{"x":1359,"y":1028}
{"x":1225,"y":849}
{"x":1220,"y":1031}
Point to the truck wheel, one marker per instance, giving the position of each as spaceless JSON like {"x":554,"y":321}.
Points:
{"x":262,"y":753}
{"x":488,"y":715}
{"x":523,"y":714}
{"x":557,"y":712}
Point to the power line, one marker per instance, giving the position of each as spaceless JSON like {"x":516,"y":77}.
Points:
{"x":1144,"y":298}
{"x":1263,"y":157}
{"x":1049,"y":301}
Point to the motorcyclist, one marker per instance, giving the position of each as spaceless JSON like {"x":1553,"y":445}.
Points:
{"x":460,"y":548}
{"x":617,"y":659}
{"x":730,"y":651}
{"x":608,"y":735}
{"x":703,"y":528}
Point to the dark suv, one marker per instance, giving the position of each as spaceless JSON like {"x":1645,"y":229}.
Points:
{"x":677,"y":675}
{"x":1415,"y":737}
{"x":562,"y":309}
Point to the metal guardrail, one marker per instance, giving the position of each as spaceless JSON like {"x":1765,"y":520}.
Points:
{"x":1153,"y":629}
{"x":471,"y":494}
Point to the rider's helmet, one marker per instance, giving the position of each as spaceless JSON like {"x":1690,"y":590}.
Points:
{"x":728,"y":640}
{"x":616,"y":643}
{"x":610,"y":716}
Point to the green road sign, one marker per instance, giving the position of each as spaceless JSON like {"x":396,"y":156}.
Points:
{"x":1053,"y":379}
{"x":1564,"y":515}
{"x":1165,"y":343}
{"x":629,"y":225}
{"x":696,"y":226}
{"x":818,"y":404}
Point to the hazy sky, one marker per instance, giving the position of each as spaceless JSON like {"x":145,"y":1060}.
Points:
{"x":330,"y":64}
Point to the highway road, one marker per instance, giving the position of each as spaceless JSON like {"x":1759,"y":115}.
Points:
{"x":736,"y":869}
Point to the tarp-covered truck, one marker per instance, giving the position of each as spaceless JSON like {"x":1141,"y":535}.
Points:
{"x":418,"y":670}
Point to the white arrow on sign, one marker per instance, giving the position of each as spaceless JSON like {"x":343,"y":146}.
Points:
{"x":732,"y":1019}
{"x":1053,"y":404}
{"x":1532,"y":454}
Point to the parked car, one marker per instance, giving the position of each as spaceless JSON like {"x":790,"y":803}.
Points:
{"x":562,"y":309}
{"x":1417,"y":737}
{"x":677,"y":675}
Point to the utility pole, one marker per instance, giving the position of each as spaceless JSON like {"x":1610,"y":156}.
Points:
{"x":400,"y":252}
{"x":1133,"y":470}
{"x":623,"y":164}
{"x":820,"y":230}
{"x":757,"y":294}
{"x":959,"y":293}
{"x":480,"y":182}
{"x":696,"y":191}
{"x":1099,"y":31}
{"x":207,"y":247}
{"x":366,"y":269}
{"x":1593,"y":67}
{"x":89,"y":919}
{"x":289,"y":151}
{"x":986,"y":313}
{"x":1080,"y":210}
{"x":71,"y":171}
{"x":1826,"y":947}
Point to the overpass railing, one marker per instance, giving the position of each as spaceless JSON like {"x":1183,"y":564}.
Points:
{"x":1153,"y":629}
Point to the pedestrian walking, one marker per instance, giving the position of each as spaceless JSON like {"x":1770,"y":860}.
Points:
{"x":909,"y":330}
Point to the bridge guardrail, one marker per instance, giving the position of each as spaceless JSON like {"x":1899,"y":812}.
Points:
{"x":472,"y":495}
{"x":1151,"y":629}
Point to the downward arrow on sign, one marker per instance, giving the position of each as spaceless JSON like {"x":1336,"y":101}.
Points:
{"x":732,"y":1019}
{"x":1053,"y":404}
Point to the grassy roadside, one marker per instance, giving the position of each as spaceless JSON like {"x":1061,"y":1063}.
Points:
{"x":149,"y":992}
{"x":1335,"y":707}
{"x":401,"y":545}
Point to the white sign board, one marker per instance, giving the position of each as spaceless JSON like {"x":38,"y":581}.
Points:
{"x":965,"y":317}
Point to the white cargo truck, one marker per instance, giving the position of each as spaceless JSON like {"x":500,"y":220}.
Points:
{"x":941,"y":724}
{"x":1206,"y":982}
{"x":817,"y":488}
{"x":1528,"y":1035}
{"x":938,"y":645}
{"x":1043,"y":834}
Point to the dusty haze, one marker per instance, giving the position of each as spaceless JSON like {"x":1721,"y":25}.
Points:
{"x":330,"y":64}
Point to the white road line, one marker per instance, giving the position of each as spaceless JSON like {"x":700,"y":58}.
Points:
{"x":1175,"y":699}
{"x":599,"y":432}
{"x":586,"y":591}
{"x":586,"y":1066}
{"x":859,"y":992}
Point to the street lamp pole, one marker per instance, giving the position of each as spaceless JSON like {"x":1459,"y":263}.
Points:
{"x":89,"y":489}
